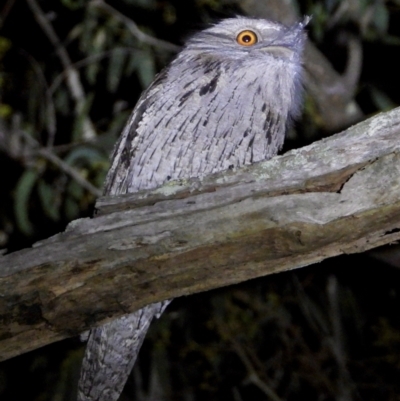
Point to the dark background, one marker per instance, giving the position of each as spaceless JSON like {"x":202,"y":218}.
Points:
{"x":325,"y":332}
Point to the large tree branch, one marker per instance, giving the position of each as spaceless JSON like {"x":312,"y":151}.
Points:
{"x":339,"y":195}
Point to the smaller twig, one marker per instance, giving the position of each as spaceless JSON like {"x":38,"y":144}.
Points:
{"x":50,"y":113}
{"x":345,"y":383}
{"x":252,"y":374}
{"x":236,"y":394}
{"x":351,"y":75}
{"x":66,"y":147}
{"x":313,"y":314}
{"x":86,"y":61}
{"x":134,"y":29}
{"x":73,"y":81}
{"x":72,"y":172}
{"x":47,"y":154}
{"x":344,"y":7}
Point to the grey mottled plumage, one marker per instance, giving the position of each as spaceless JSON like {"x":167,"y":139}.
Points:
{"x":225,"y":101}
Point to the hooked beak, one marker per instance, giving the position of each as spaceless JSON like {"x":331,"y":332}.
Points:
{"x":287,"y":49}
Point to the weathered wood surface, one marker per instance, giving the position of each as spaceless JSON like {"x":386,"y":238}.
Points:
{"x":339,"y":195}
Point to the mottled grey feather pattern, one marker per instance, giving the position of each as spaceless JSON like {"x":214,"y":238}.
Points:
{"x":218,"y":105}
{"x":111,"y":352}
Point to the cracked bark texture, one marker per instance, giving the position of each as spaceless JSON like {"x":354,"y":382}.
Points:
{"x":339,"y":195}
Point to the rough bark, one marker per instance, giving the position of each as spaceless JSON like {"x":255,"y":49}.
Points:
{"x":339,"y":195}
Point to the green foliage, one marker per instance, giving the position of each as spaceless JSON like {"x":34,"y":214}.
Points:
{"x":23,"y":193}
{"x":370,"y":16}
{"x":145,"y":67}
{"x":319,"y":18}
{"x":282,"y":326}
{"x":381,"y":100}
{"x":50,"y":202}
{"x":104,"y":54}
{"x":5,"y":46}
{"x":115,"y":69}
{"x":5,"y":110}
{"x":74,"y":4}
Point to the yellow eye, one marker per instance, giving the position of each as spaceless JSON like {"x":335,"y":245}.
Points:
{"x":247,"y":38}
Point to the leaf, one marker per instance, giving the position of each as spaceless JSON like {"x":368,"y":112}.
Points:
{"x":99,"y":179}
{"x":5,"y":45}
{"x":61,"y":100}
{"x":146,"y":68}
{"x":97,"y":47}
{"x":84,"y":154}
{"x":77,"y":129}
{"x":75,"y":191}
{"x":117,"y":124}
{"x":382,"y":100}
{"x":96,"y":164}
{"x":115,"y":69}
{"x":89,"y":26}
{"x":23,"y":192}
{"x":74,"y":4}
{"x":381,"y":18}
{"x":319,"y":18}
{"x":48,"y":198}
{"x":132,"y":64}
{"x":71,"y":209}
{"x":5,"y":110}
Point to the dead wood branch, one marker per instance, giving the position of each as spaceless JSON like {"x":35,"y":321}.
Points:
{"x":339,"y":195}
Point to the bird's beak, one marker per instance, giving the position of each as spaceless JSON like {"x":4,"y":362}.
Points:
{"x":280,"y":51}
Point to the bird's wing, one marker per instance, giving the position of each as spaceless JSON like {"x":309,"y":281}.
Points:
{"x":124,"y":150}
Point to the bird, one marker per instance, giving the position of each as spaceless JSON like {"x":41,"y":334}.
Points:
{"x":225,"y":101}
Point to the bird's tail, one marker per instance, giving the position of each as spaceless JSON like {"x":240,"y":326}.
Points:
{"x":111,"y":352}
